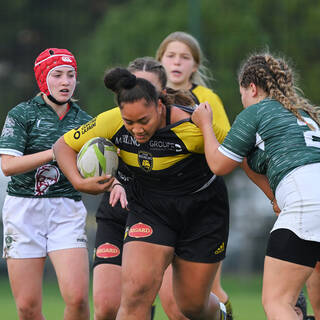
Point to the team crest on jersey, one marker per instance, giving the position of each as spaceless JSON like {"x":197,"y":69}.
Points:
{"x":145,"y":160}
{"x":7,"y":130}
{"x":140,"y":230}
{"x":107,"y":250}
{"x":45,"y":177}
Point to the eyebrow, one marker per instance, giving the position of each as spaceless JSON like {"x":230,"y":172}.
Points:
{"x":59,"y":71}
{"x":140,"y":119}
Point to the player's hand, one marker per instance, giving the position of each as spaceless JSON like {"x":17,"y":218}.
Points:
{"x":202,"y":115}
{"x":276,"y":209}
{"x":118,"y":193}
{"x":95,"y":185}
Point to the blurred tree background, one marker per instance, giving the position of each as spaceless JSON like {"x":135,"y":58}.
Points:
{"x":105,"y":33}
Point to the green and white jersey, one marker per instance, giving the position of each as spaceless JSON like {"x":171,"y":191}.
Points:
{"x":31,"y":127}
{"x":273,"y":139}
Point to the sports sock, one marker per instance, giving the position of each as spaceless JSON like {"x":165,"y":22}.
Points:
{"x":223,"y":313}
{"x":229,"y":309}
{"x":153,"y":310}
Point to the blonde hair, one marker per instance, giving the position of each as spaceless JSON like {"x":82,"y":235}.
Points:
{"x":202,"y":76}
{"x":276,"y":78}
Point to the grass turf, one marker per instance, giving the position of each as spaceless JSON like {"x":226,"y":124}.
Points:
{"x":244,"y":292}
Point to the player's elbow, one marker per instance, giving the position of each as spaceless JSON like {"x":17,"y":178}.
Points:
{"x":6,"y":171}
{"x":6,"y":166}
{"x":220,"y":169}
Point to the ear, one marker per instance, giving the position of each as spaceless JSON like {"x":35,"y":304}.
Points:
{"x":253,"y":89}
{"x":160,"y":106}
{"x":195,"y":67}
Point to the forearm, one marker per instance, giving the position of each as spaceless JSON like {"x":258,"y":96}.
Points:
{"x":67,"y":161}
{"x":211,"y":146}
{"x":13,"y":165}
{"x":259,"y":179}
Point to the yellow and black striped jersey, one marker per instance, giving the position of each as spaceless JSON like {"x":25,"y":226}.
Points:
{"x":171,"y":162}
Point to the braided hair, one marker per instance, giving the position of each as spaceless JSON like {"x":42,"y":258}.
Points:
{"x":276,"y":78}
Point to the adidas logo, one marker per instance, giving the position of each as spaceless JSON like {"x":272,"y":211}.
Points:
{"x":220,"y":249}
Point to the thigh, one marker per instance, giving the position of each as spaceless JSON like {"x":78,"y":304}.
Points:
{"x":107,"y":284}
{"x":25,"y":277}
{"x":72,"y":269}
{"x":109,"y":242}
{"x":143,"y":266}
{"x":283,"y":280}
{"x":192,"y":281}
{"x":66,"y":224}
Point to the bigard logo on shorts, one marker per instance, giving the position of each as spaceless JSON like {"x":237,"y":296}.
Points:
{"x":107,"y":250}
{"x":145,"y":160}
{"x":140,"y":230}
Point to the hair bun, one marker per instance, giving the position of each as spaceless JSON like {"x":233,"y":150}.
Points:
{"x":128,"y":82}
{"x":119,"y":78}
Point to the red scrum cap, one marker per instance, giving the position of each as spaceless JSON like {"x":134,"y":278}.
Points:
{"x":48,"y":60}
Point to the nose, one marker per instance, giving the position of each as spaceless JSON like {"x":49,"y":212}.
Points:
{"x":65,"y":80}
{"x":176,"y":60}
{"x":137,"y":129}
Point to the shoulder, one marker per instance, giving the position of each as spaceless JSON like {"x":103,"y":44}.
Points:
{"x":83,"y":115}
{"x":203,"y":93}
{"x":113,"y":114}
{"x":24,"y":109}
{"x":178,"y":114}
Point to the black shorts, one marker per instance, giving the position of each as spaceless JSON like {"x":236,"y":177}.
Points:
{"x":111,"y":224}
{"x":196,"y":225}
{"x":286,"y":245}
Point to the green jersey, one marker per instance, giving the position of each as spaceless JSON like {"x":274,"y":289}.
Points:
{"x":273,"y":139}
{"x":31,"y":127}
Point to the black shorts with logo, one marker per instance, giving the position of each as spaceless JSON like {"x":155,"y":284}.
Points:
{"x":111,"y":224}
{"x":196,"y":225}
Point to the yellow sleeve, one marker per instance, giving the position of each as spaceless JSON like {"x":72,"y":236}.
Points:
{"x":105,"y":125}
{"x":220,"y":122}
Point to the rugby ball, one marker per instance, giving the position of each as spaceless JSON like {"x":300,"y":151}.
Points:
{"x":97,"y":157}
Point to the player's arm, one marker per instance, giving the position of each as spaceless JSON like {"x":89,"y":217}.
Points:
{"x":262,"y":182}
{"x":13,"y":143}
{"x":217,"y":161}
{"x":12,"y":165}
{"x":67,"y":161}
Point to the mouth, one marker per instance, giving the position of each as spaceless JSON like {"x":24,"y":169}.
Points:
{"x":64,"y":92}
{"x":176,"y":73}
{"x":140,"y":137}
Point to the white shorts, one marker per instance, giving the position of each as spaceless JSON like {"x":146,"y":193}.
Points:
{"x":298,"y":197}
{"x":32,"y":227}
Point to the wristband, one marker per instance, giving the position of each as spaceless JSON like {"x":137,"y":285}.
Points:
{"x":272,"y":201}
{"x":117,"y":184}
{"x":53,"y":156}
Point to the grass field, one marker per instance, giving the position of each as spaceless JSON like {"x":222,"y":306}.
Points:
{"x":245,"y":293}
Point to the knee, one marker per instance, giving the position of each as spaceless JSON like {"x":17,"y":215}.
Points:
{"x":28,"y":308}
{"x":105,"y":308}
{"x":171,"y":309}
{"x":141,"y":290}
{"x":193,"y":310}
{"x":78,"y":300}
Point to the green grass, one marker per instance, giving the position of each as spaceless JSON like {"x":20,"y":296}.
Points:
{"x":244,"y":292}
